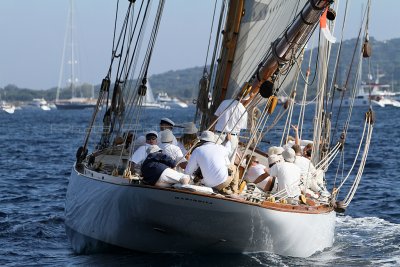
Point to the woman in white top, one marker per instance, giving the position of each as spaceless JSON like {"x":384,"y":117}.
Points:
{"x":259,"y":174}
{"x":188,"y":139}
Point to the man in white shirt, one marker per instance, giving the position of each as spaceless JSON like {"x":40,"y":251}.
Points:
{"x":287,"y":173}
{"x":309,"y":174}
{"x":167,"y":124}
{"x":140,"y":154}
{"x":232,"y":117}
{"x":213,"y":161}
{"x":172,"y":150}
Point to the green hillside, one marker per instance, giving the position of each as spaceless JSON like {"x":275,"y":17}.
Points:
{"x":184,"y":83}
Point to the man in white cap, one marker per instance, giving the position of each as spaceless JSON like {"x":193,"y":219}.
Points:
{"x":287,"y":173}
{"x":172,"y":150}
{"x":232,"y":117}
{"x":213,"y":161}
{"x":158,"y":169}
{"x":140,"y":154}
{"x":167,"y":124}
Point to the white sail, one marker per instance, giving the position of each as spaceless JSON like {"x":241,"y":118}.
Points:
{"x":263,"y":22}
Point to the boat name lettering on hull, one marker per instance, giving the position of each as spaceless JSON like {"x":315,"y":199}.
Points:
{"x":194,"y":200}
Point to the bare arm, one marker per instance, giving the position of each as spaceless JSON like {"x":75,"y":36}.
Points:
{"x":296,"y":135}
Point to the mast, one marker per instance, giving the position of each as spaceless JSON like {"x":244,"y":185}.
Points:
{"x":73,"y":60}
{"x":229,"y":42}
{"x":68,"y":37}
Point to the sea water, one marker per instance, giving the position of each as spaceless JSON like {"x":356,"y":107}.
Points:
{"x":37,"y":150}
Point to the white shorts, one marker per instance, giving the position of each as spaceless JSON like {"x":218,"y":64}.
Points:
{"x":170,"y":176}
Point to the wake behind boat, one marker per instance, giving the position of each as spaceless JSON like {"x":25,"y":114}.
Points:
{"x":108,"y":204}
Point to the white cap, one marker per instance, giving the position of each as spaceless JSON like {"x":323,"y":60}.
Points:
{"x":207,"y":136}
{"x":152,"y":133}
{"x":167,"y":121}
{"x":153,"y":149}
{"x":166,"y":136}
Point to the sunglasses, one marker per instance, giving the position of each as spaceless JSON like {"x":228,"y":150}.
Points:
{"x":151,"y":138}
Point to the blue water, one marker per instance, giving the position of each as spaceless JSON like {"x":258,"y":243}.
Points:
{"x":37,"y":150}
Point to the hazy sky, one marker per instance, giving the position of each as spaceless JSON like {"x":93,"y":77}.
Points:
{"x":32,"y":36}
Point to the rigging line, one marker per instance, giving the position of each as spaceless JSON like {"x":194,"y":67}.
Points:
{"x":338,"y":56}
{"x":309,"y":65}
{"x":262,"y":121}
{"x":264,"y":117}
{"x":339,"y":167}
{"x":114,"y":35}
{"x":211,"y":30}
{"x":147,"y":56}
{"x":356,"y":157}
{"x":146,"y":60}
{"x":329,"y":94}
{"x":133,"y":95}
{"x":115,"y":46}
{"x":151,"y":43}
{"x":300,"y":121}
{"x":156,"y":27}
{"x":129,"y":31}
{"x":348,"y":77}
{"x":357,"y":180}
{"x":132,"y":31}
{"x":288,"y":121}
{"x":218,"y":38}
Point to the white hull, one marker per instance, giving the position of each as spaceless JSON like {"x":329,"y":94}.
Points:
{"x":358,"y":102}
{"x":8,"y":109}
{"x":111,"y":210}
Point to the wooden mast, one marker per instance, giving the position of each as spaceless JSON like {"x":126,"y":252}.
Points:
{"x":229,"y":42}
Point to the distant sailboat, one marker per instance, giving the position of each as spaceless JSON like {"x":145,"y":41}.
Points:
{"x":74,"y":102}
{"x":150,"y":102}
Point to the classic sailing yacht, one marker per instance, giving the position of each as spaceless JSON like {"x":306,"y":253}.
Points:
{"x":256,"y":47}
{"x":74,"y":102}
